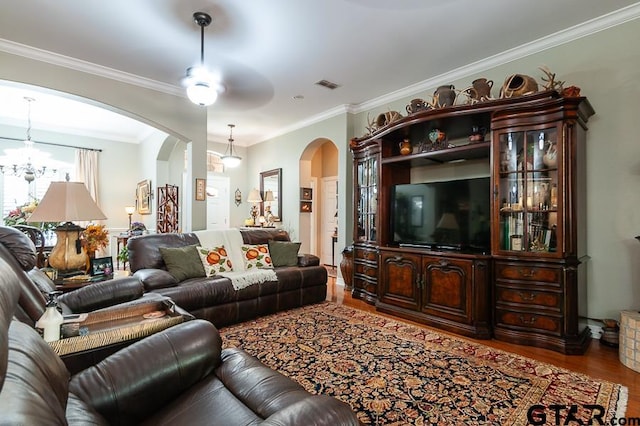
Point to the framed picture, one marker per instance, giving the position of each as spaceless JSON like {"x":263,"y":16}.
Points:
{"x":101,"y":266}
{"x":306,"y":194}
{"x":143,"y":197}
{"x":305,"y":206}
{"x":200,"y":189}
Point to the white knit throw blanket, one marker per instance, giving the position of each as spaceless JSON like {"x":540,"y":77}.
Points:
{"x":242,"y":279}
{"x":232,"y":240}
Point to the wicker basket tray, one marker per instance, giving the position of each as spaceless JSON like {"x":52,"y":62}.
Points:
{"x":112,"y":326}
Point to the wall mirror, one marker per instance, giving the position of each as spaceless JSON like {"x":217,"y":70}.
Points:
{"x":271,"y":192}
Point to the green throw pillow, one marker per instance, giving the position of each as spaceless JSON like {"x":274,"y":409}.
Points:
{"x":182,"y":262}
{"x":284,"y":253}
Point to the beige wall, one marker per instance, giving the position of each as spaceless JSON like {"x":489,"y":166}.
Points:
{"x":606,"y":65}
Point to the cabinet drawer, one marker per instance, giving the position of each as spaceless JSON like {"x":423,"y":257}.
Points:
{"x":530,"y":321}
{"x":529,"y":297}
{"x":527,"y":273}
{"x":365,"y":254}
{"x":367,"y":270}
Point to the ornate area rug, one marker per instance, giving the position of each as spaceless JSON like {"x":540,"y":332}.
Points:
{"x":394,"y":373}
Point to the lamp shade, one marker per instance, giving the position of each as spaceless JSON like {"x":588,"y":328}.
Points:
{"x":254,"y":196}
{"x":66,"y":202}
{"x":268,"y":195}
{"x":448,"y":221}
{"x":231,"y":160}
{"x":130,"y":209}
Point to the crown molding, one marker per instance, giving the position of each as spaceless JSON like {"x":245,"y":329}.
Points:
{"x":584,"y":29}
{"x":52,"y":58}
{"x":587,"y":28}
{"x":330,"y":113}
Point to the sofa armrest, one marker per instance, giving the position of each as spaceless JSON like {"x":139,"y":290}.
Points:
{"x":102,"y":294}
{"x":307,"y":259}
{"x":141,"y":379}
{"x":155,"y":278}
{"x":315,"y":410}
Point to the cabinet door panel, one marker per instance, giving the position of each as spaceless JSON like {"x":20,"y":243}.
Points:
{"x":447,"y":288}
{"x":399,"y":279}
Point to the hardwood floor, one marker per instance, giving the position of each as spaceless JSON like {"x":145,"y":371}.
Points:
{"x":599,"y":361}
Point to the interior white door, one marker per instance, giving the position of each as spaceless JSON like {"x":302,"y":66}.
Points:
{"x":218,"y":201}
{"x":329,"y":220}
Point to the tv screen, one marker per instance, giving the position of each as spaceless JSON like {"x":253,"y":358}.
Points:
{"x":452,"y":215}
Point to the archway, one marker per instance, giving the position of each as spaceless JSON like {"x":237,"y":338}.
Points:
{"x":318,"y":221}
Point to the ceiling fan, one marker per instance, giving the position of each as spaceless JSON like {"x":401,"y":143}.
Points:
{"x":202,"y":86}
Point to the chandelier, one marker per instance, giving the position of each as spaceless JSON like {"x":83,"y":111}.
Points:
{"x":228,"y":159}
{"x":202,"y":89}
{"x":28,"y":153}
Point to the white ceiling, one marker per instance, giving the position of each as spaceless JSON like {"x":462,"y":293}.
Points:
{"x":268,"y":52}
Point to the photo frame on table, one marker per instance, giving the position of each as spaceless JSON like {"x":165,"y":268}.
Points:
{"x":101,"y":266}
{"x":305,"y":207}
{"x":306,"y":194}
{"x":201,"y":189}
{"x":143,"y":197}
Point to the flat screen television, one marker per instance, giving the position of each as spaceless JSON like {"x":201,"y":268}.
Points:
{"x":450,"y":215}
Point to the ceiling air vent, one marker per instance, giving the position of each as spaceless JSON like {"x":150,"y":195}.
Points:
{"x":328,"y":84}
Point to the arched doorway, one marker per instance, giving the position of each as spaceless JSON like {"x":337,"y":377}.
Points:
{"x":319,"y":218}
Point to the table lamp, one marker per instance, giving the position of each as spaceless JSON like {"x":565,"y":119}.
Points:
{"x":130,"y":210}
{"x":66,"y":202}
{"x":255,"y":198}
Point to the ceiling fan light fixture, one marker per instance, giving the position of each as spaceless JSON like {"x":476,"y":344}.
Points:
{"x":229,"y":159}
{"x":200,"y":88}
{"x":201,"y":93}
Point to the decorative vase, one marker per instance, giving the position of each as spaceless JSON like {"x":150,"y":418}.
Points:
{"x":346,"y":267}
{"x":518,"y":85}
{"x":480,"y":89}
{"x":416,"y":105}
{"x":405,"y":147}
{"x":91,"y":254}
{"x":444,"y":96}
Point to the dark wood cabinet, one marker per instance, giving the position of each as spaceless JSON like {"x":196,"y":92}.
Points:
{"x":538,"y":244}
{"x":529,"y":288}
{"x":365,"y":248}
{"x":449,"y":292}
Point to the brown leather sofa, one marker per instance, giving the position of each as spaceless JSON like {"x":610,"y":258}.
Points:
{"x":177,"y":376}
{"x":214,"y":298}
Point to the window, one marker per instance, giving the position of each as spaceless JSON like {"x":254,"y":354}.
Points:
{"x":17,"y":192}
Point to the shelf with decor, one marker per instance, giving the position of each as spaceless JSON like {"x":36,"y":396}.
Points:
{"x":478,"y":224}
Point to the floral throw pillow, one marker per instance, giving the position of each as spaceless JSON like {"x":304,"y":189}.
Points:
{"x":256,"y":256}
{"x":215,"y":260}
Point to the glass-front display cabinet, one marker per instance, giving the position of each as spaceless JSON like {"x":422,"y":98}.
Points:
{"x":366,"y":188}
{"x":528,"y":189}
{"x":367,"y":198}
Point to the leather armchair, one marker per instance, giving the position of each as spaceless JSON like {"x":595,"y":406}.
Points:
{"x":178,"y":376}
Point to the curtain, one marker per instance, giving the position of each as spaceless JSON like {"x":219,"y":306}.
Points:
{"x":87,"y":171}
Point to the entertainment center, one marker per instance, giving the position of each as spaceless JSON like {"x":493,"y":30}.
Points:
{"x":478,"y":235}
